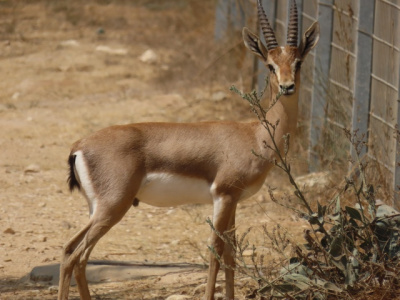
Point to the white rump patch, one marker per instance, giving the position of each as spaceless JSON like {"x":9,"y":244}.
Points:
{"x":167,"y":189}
{"x":84,"y":179}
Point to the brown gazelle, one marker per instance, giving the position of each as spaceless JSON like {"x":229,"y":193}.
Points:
{"x":169,"y":164}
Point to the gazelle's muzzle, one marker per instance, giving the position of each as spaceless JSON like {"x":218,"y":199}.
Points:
{"x":287,"y":89}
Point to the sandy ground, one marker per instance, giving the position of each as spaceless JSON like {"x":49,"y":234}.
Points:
{"x":68,"y":69}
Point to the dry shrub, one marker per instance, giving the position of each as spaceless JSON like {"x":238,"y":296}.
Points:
{"x":350,"y":251}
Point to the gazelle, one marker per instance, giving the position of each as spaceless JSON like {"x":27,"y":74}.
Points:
{"x":169,"y":164}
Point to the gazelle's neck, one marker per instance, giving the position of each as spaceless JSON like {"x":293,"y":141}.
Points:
{"x":285,"y":109}
{"x":284,"y":64}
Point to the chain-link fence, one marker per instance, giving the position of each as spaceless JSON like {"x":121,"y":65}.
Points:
{"x":351,"y":80}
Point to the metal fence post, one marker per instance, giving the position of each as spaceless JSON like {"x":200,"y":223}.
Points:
{"x":362,"y":88}
{"x":396,"y":181}
{"x":229,"y":14}
{"x":221,"y":20}
{"x":321,"y":76}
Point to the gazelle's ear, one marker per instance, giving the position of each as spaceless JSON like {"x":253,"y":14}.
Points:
{"x":254,"y":44}
{"x":309,"y":40}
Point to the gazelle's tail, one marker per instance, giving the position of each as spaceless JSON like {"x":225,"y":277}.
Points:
{"x":72,"y":181}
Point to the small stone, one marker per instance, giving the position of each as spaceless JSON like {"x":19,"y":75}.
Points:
{"x":100,"y":31}
{"x":66,"y":225}
{"x":53,"y":289}
{"x":178,"y":297}
{"x":149,"y":56}
{"x":249,"y":252}
{"x":199,"y":290}
{"x":9,"y":231}
{"x":384,"y":210}
{"x":64,"y":68}
{"x":115,"y":51}
{"x":15,"y":96}
{"x":175,"y":242}
{"x":219,"y":296}
{"x":314,"y":179}
{"x":218,"y":96}
{"x":32,"y":168}
{"x":69,"y":43}
{"x":42,"y":204}
{"x":261,"y":198}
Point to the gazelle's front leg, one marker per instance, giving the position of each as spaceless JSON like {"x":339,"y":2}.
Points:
{"x":224,"y":210}
{"x":229,"y":259}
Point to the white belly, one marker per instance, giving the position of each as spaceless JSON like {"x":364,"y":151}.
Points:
{"x":164,"y":189}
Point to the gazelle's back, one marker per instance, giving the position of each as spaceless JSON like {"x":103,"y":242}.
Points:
{"x":145,"y":156}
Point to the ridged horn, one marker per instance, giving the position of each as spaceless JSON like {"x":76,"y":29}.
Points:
{"x":266,"y":28}
{"x":293,"y":27}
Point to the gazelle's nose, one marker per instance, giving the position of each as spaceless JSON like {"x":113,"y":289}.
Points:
{"x":287,"y":89}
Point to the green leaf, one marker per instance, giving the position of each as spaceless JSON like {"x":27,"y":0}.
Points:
{"x":321,"y":212}
{"x":300,"y":281}
{"x":372,"y":210}
{"x":360,"y":189}
{"x":337,"y":208}
{"x":284,"y":289}
{"x":264,"y":289}
{"x":339,"y":263}
{"x":278,"y":290}
{"x":354,"y":223}
{"x":332,"y":287}
{"x":313,"y":219}
{"x":350,"y":276}
{"x":335,"y":217}
{"x":353,"y":213}
{"x":336,"y":246}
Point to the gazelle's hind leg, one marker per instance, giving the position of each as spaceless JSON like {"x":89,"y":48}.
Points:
{"x":77,"y":250}
{"x":68,"y":261}
{"x":80,"y":273}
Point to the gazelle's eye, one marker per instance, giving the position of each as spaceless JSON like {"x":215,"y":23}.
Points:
{"x":298,"y":65}
{"x":271,"y":69}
